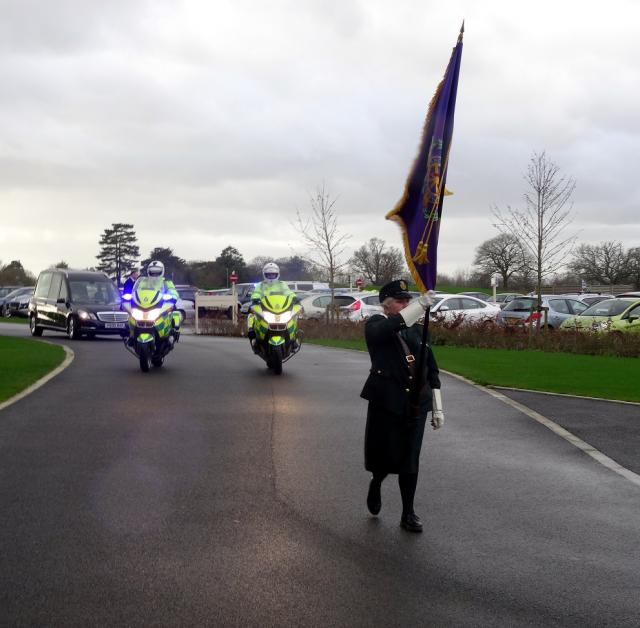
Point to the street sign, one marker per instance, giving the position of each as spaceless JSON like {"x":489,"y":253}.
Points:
{"x":233,"y":277}
{"x":359,"y":282}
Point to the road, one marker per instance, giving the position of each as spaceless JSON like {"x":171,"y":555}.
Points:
{"x":211,"y":492}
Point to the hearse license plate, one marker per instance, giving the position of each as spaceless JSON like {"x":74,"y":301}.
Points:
{"x":114,"y":325}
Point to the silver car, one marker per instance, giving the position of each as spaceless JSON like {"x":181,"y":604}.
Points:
{"x":350,"y":305}
{"x":522,"y":311}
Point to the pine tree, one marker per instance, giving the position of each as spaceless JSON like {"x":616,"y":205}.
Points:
{"x":118,"y":250}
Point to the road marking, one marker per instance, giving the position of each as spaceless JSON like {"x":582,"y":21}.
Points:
{"x":69,"y":355}
{"x":588,"y":449}
{"x":556,"y":394}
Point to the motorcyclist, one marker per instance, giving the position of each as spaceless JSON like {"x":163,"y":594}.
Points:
{"x":155,"y":270}
{"x":270,"y":284}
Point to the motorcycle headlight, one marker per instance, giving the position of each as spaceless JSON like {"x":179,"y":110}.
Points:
{"x":269,"y":317}
{"x":153,"y":314}
{"x":143,"y":315}
{"x":272,"y":318}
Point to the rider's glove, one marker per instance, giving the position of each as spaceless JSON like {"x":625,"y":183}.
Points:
{"x":437,"y":418}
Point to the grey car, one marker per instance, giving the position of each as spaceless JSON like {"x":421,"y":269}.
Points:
{"x":5,"y":303}
{"x":522,"y":311}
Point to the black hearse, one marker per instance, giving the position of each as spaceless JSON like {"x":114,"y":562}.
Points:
{"x":76,"y":302}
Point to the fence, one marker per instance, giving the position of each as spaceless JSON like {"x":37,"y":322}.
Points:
{"x":596,"y":289}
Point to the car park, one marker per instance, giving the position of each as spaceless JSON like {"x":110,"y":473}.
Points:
{"x":523,"y":311}
{"x":466,"y":308}
{"x":77,"y":302}
{"x":18,"y":305}
{"x":12,"y":296}
{"x":620,"y":315}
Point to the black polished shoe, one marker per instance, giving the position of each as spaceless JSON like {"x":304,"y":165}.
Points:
{"x":374,"y":499}
{"x":411,"y":523}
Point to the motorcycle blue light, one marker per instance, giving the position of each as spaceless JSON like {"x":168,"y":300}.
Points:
{"x":167,"y":297}
{"x":127,"y":297}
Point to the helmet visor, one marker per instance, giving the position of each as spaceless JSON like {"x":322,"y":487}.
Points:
{"x":271,"y":275}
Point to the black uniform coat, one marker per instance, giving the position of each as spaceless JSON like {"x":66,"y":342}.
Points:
{"x":392,"y":438}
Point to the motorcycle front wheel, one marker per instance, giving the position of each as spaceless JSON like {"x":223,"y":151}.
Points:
{"x":145,"y":358}
{"x":275,"y":360}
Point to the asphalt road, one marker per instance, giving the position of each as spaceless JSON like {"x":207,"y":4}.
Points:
{"x":211,"y":492}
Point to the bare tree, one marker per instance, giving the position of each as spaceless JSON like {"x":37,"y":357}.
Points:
{"x":503,"y":255}
{"x":320,"y":233}
{"x":605,"y":263}
{"x":633,"y":257}
{"x":540,"y":226}
{"x":375,"y":263}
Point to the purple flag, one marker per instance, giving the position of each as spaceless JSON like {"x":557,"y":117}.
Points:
{"x":419,"y":210}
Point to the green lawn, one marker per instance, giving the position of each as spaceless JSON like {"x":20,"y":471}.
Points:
{"x":14,"y":319}
{"x":23,"y":361}
{"x":592,"y":376}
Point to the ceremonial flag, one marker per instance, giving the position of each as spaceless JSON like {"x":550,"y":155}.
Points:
{"x":419,"y":210}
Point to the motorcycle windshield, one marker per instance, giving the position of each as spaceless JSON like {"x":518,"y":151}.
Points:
{"x":277,"y":302}
{"x":147,"y":291}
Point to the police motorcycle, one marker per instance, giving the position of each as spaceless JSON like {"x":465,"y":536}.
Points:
{"x":273,"y":323}
{"x":154,"y":325}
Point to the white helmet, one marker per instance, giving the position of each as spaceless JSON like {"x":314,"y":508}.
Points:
{"x":270,"y":272}
{"x":155,"y":269}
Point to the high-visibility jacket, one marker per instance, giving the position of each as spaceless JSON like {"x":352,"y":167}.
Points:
{"x":264,"y":289}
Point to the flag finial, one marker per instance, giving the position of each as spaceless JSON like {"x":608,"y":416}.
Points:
{"x":461,"y":32}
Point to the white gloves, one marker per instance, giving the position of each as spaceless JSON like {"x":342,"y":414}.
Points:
{"x":437,"y":419}
{"x":415,"y":310}
{"x":412,"y":312}
{"x":427,"y":299}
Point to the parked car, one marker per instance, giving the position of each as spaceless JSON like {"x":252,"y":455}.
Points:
{"x":592,"y":299}
{"x":315,"y":305}
{"x":14,"y":294}
{"x":18,"y":304}
{"x":78,"y":302}
{"x":477,"y":295}
{"x":503,"y":298}
{"x":5,"y":290}
{"x":588,"y":297}
{"x":615,"y":315}
{"x":522,"y":311}
{"x":450,"y":307}
{"x":186,"y":303}
{"x":631,"y":295}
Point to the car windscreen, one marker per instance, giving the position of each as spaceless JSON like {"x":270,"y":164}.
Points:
{"x":187,"y":295}
{"x":93,"y":291}
{"x":611,"y":307}
{"x":521,"y":305}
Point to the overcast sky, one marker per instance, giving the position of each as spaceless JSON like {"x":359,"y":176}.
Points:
{"x":209,"y":123}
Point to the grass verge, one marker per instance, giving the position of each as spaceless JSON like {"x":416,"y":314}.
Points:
{"x":14,"y":319}
{"x":24,"y":361}
{"x":589,"y":375}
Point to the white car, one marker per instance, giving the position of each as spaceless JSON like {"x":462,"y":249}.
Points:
{"x":450,"y":307}
{"x":186,"y":308}
{"x":351,"y":305}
